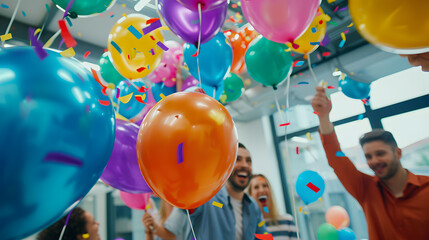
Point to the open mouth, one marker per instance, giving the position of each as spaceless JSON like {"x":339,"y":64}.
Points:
{"x":263,"y":199}
{"x":379,"y":169}
{"x":242,"y":175}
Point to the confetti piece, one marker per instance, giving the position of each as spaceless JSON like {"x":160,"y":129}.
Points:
{"x":306,"y":212}
{"x":69,"y":52}
{"x":134,"y":31}
{"x":303,"y":83}
{"x":69,"y":5}
{"x":180,"y":153}
{"x":360,"y":117}
{"x":284,"y":124}
{"x":86,"y":54}
{"x":297,"y":150}
{"x":148,"y":207}
{"x":116,"y":47}
{"x":343,"y":9}
{"x":139,"y":98}
{"x":152,"y":20}
{"x":62,"y":158}
{"x":313,"y":30}
{"x":324,"y":83}
{"x":38,"y":49}
{"x":124,"y":15}
{"x":346,"y":31}
{"x":340,"y":154}
{"x":331,"y":1}
{"x":318,"y":57}
{"x":6,"y":37}
{"x":309,"y":136}
{"x":342,"y":43}
{"x":298,"y":63}
{"x":162,"y":95}
{"x":140,"y":69}
{"x":124,"y":5}
{"x":351,"y":24}
{"x":24,"y":14}
{"x":162,"y":46}
{"x":153,"y":25}
{"x":143,"y":89}
{"x":198,"y":52}
{"x":216,"y":204}
{"x":68,"y":39}
{"x":320,"y":199}
{"x":272,"y":106}
{"x":69,"y":21}
{"x":335,"y":10}
{"x":47,"y":7}
{"x":217,"y":116}
{"x":266,"y":209}
{"x":314,"y":43}
{"x":343,"y":36}
{"x":111,"y":86}
{"x":125,"y":99}
{"x":295,"y":46}
{"x":326,"y":54}
{"x":85,"y":235}
{"x":152,"y":51}
{"x":234,"y":5}
{"x":4,"y":6}
{"x":261,"y":223}
{"x":300,"y":209}
{"x":331,"y":87}
{"x":111,"y":16}
{"x":104,"y":102}
{"x":239,"y":4}
{"x":313,"y":187}
{"x":265,"y":236}
{"x":333,"y":23}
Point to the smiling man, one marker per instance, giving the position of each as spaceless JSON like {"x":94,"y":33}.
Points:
{"x":395,"y":201}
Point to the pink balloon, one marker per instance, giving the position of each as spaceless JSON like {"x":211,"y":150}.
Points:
{"x":135,"y":200}
{"x":166,"y":70}
{"x":337,"y":217}
{"x":280,"y":20}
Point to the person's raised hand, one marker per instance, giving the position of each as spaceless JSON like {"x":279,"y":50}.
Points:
{"x":321,"y":103}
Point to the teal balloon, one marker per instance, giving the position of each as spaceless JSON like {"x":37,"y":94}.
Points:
{"x":215,"y":60}
{"x":234,"y":87}
{"x":56,"y":138}
{"x":346,"y":234}
{"x":133,"y":108}
{"x":85,"y":7}
{"x":108,"y":71}
{"x":159,"y":88}
{"x":267,"y":62}
{"x":310,"y":186}
{"x":327,"y":232}
{"x":354,"y":89}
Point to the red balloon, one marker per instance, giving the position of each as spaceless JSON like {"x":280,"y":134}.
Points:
{"x":186,"y":148}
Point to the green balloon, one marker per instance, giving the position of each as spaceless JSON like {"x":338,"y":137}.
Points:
{"x":108,"y":71}
{"x":267,"y":62}
{"x":84,"y":7}
{"x":327,"y":232}
{"x":233,"y":87}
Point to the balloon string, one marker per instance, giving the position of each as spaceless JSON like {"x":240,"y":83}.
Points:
{"x":311,"y":70}
{"x":65,"y":225}
{"x":199,"y":43}
{"x":52,"y":39}
{"x":190,"y":223}
{"x":12,"y":19}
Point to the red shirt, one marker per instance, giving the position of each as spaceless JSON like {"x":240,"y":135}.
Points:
{"x":388,"y":217}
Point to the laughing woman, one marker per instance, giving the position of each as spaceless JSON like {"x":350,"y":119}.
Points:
{"x":282,"y":227}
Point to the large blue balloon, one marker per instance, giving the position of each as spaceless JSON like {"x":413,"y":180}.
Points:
{"x":214,"y":92}
{"x":215,"y":60}
{"x":310,"y":186}
{"x":159,"y":88}
{"x":354,"y":89}
{"x":133,"y":108}
{"x":346,"y":234}
{"x":55,"y":138}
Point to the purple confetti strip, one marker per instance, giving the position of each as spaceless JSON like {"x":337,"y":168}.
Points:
{"x":152,"y":51}
{"x":61,"y":43}
{"x":326,"y":40}
{"x":117,"y":92}
{"x":68,"y":217}
{"x":346,"y":31}
{"x":68,"y":8}
{"x":37,"y":45}
{"x":180,"y":153}
{"x":128,"y":108}
{"x":162,"y":46}
{"x":343,"y":9}
{"x":128,"y":83}
{"x":62,"y":158}
{"x":152,"y":26}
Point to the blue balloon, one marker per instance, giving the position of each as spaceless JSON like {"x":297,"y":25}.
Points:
{"x":56,"y":138}
{"x":159,"y":88}
{"x":346,"y":234}
{"x":133,"y":108}
{"x":354,"y":89}
{"x":214,"y":92}
{"x":215,"y":60}
{"x":310,"y":186}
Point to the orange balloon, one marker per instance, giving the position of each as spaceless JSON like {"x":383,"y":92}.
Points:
{"x":239,"y":48}
{"x":186,"y":148}
{"x":337,"y":217}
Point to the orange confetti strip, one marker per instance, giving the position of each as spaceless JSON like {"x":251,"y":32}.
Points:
{"x":297,"y":150}
{"x":86,"y":54}
{"x":284,"y":124}
{"x":151,"y":20}
{"x":65,"y":34}
{"x":104,"y":102}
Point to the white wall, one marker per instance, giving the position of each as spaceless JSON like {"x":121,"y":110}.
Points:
{"x":257,"y":137}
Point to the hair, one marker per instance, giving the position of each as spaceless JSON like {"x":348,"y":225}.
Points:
{"x":272,"y":210}
{"x":240,"y":145}
{"x":379,"y":135}
{"x":75,"y":226}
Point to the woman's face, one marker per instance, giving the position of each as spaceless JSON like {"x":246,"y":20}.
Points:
{"x":91,"y":227}
{"x":261,"y":192}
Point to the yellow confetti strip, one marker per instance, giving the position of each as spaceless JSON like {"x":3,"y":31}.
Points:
{"x":148,"y":207}
{"x":217,"y":116}
{"x":86,"y":235}
{"x":320,"y":199}
{"x":216,"y":204}
{"x":272,"y":106}
{"x":326,"y":17}
{"x":331,"y":1}
{"x":37,"y":31}
{"x":261,"y":223}
{"x":111,"y":86}
{"x":343,"y":36}
{"x":6,"y":37}
{"x":222,"y":98}
{"x":255,"y":103}
{"x":125,"y":99}
{"x":283,"y":106}
{"x":306,"y":212}
{"x":324,"y":83}
{"x":351,"y":24}
{"x":120,"y":117}
{"x":162,"y":95}
{"x":300,"y":209}
{"x":124,"y":15}
{"x":239,"y":4}
{"x":309,"y":136}
{"x":185,"y":68}
{"x":68,"y":53}
{"x":79,"y":34}
{"x":123,"y":5}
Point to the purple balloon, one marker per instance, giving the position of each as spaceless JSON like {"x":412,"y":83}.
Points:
{"x":185,"y":23}
{"x":189,"y":82}
{"x":123,"y":171}
{"x":205,"y":4}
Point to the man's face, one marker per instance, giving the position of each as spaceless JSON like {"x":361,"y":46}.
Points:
{"x":382,"y":159}
{"x":240,"y":177}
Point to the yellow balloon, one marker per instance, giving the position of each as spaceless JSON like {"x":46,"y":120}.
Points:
{"x":306,"y":43}
{"x":131,"y":50}
{"x":393,"y":25}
